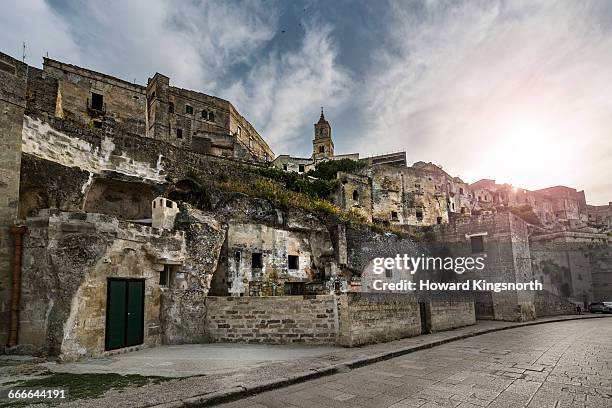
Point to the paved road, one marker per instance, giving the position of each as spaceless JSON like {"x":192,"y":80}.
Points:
{"x":554,"y":365}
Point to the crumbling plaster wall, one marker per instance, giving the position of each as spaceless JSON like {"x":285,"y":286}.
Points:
{"x":67,"y":260}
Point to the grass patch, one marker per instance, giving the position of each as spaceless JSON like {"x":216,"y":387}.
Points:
{"x":83,"y":386}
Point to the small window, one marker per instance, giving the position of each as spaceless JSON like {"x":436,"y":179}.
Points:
{"x":97,"y":124}
{"x":462,"y":210}
{"x":170,"y":107}
{"x":419,"y":215}
{"x":301,"y":168}
{"x":238,"y":131}
{"x":285,"y":167}
{"x":97,"y":101}
{"x":189,"y":109}
{"x":460,"y":190}
{"x":179,"y":133}
{"x":321,"y":149}
{"x":393,"y":215}
{"x":237,"y":256}
{"x":168,"y":203}
{"x":294,"y":262}
{"x":211,"y":117}
{"x":356,"y":196}
{"x":205,"y":115}
{"x":477,"y":244}
{"x":164,"y":276}
{"x":439,"y":220}
{"x":256,"y":260}
{"x":388,"y":273}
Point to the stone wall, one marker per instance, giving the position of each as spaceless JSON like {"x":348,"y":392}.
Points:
{"x":183,"y":316}
{"x":505,"y":247}
{"x":12,"y":105}
{"x":68,"y":258}
{"x":549,"y":304}
{"x":276,"y":320}
{"x":450,"y":314}
{"x":367,"y":318}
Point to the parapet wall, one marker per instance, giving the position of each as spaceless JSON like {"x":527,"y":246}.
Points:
{"x":367,"y":318}
{"x":450,"y":314}
{"x":275,"y":319}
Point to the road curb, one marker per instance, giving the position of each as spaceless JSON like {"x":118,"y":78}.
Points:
{"x":235,"y":393}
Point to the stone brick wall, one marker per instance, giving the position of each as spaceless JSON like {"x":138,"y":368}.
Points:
{"x":450,"y":314}
{"x":548,"y":304}
{"x":367,"y":318}
{"x":276,"y":320}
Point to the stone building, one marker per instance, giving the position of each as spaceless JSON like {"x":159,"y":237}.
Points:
{"x":125,"y":230}
{"x":184,"y":118}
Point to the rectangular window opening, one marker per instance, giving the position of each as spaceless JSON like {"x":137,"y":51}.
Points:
{"x":256,"y":260}
{"x":301,"y":168}
{"x":294,"y":262}
{"x":97,"y":101}
{"x":189,"y":109}
{"x":164,"y":276}
{"x":477,"y":244}
{"x":179,"y":133}
{"x":394,"y":215}
{"x":419,"y":215}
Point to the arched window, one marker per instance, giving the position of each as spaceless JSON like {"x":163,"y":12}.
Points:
{"x":170,"y":107}
{"x":356,"y":196}
{"x":321,"y":149}
{"x":211,"y":117}
{"x":204,"y":115}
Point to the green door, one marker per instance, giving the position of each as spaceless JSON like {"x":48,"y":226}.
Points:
{"x":124,"y":313}
{"x":135,"y":316}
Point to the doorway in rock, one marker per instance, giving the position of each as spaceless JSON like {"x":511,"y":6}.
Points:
{"x":124,"y":313}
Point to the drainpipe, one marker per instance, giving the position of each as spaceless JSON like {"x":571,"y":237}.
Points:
{"x":17,"y":232}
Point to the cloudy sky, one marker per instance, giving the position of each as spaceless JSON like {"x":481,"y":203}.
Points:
{"x":518,"y":91}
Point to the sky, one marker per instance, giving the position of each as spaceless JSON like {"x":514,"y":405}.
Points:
{"x":517,"y":91}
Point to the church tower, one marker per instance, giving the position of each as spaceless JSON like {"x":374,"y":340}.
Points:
{"x":322,"y":145}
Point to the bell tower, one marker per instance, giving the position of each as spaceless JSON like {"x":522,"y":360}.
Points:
{"x":322,"y":145}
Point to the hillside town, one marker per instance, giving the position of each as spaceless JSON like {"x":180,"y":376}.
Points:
{"x":171,"y":198}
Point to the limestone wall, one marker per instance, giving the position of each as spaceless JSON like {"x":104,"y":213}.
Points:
{"x":276,"y":320}
{"x":450,"y":314}
{"x":183,"y":316}
{"x":367,"y":318}
{"x":549,"y":304}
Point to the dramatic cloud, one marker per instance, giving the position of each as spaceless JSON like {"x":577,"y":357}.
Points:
{"x":283,"y":92}
{"x":510,"y":90}
{"x":194,"y":43}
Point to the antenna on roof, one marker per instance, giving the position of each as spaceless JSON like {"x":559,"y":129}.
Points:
{"x":23,"y":55}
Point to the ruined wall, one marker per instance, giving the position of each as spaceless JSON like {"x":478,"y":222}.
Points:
{"x":123,"y":102}
{"x":367,"y":318}
{"x":12,"y":105}
{"x":354,"y":194}
{"x":183,"y":316}
{"x":408,"y":196}
{"x":276,"y":320}
{"x":68,"y":258}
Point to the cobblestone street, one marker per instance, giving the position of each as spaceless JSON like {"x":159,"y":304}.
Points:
{"x":565,"y":364}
